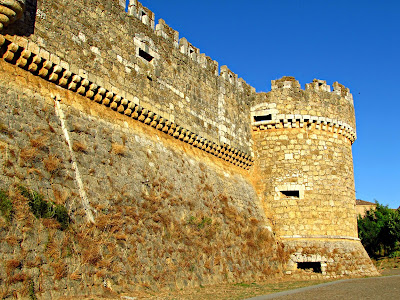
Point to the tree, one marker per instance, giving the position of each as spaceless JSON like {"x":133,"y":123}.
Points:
{"x":379,"y":231}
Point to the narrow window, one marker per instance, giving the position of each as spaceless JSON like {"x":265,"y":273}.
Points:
{"x":310,"y":266}
{"x":145,"y":55}
{"x":290,"y":194}
{"x":263,"y":118}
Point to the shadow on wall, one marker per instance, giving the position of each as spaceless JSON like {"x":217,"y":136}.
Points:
{"x":26,"y":25}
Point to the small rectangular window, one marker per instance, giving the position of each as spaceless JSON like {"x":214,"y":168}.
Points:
{"x":145,"y":55}
{"x":290,"y":194}
{"x":263,"y":118}
{"x":310,"y":266}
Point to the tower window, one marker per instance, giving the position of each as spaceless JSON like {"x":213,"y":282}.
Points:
{"x":290,"y":194}
{"x":263,"y":118}
{"x":145,"y":55}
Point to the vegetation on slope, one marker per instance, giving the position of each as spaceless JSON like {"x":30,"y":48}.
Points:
{"x":379,"y":231}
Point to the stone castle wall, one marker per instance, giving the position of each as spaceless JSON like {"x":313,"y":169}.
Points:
{"x":165,"y":214}
{"x":148,"y":65}
{"x":174,"y":173}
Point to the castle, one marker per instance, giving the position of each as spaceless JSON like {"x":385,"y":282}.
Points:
{"x":135,"y":108}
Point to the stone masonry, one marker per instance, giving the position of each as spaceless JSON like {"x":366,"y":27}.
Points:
{"x":175,"y":170}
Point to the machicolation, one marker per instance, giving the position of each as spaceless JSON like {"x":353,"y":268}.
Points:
{"x":174,"y":172}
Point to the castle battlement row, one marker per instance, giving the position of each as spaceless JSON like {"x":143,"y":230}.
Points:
{"x":147,"y":17}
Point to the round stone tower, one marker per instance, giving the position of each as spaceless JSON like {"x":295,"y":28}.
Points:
{"x":302,"y":146}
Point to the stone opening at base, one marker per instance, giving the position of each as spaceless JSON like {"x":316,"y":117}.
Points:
{"x":145,"y":55}
{"x":314,"y":266}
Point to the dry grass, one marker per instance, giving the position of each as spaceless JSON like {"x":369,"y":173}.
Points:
{"x":92,"y":255}
{"x":39,"y":142}
{"x":60,"y":270}
{"x":20,"y":277}
{"x":12,"y":240}
{"x":52,"y":164}
{"x":121,"y":237}
{"x":12,"y":264}
{"x":29,"y":154}
{"x":118,"y":149}
{"x":79,"y":147}
{"x":286,"y":78}
{"x":75,"y":275}
{"x":4,"y":128}
{"x":52,"y":250}
{"x":387,"y":263}
{"x":8,"y":163}
{"x":34,"y":171}
{"x":60,"y":197}
{"x":51,"y":223}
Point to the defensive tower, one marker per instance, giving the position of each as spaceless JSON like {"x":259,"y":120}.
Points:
{"x":302,"y":144}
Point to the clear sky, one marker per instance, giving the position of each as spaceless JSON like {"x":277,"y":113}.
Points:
{"x":356,"y":43}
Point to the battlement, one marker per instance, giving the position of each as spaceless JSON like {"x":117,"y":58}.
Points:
{"x":317,"y":85}
{"x":141,"y":12}
{"x":341,"y":90}
{"x":147,"y":17}
{"x":286,"y":82}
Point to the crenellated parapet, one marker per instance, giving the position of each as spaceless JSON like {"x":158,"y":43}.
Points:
{"x":163,"y":30}
{"x":318,"y":85}
{"x":341,"y":90}
{"x":286,"y":82}
{"x":10,"y":11}
{"x":147,"y":17}
{"x":142,"y":13}
{"x":289,"y":106}
{"x":338,"y":89}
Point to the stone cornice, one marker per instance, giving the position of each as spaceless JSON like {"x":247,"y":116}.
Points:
{"x":301,"y":121}
{"x":330,"y":237}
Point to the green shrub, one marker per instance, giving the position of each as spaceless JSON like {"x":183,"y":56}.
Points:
{"x":379,"y":231}
{"x":6,"y":207}
{"x":45,"y":209}
{"x":31,"y":291}
{"x":199,"y":223}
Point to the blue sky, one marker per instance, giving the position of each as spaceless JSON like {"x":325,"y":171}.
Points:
{"x":354,"y":42}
